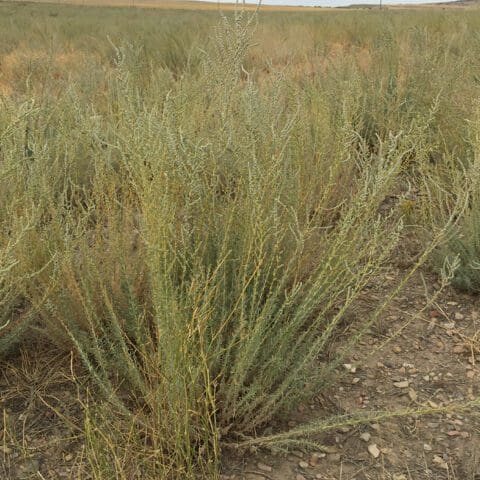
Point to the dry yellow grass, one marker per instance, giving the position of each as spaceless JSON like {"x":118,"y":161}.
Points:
{"x":179,"y":5}
{"x":229,"y":6}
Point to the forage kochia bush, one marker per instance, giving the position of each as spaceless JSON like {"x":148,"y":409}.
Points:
{"x":198,"y":242}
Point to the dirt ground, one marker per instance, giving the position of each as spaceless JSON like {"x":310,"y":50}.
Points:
{"x":407,"y":361}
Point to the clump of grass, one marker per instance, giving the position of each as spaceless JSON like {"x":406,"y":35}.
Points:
{"x":205,"y":265}
{"x":198,"y":236}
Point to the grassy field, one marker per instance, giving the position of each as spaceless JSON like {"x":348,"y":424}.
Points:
{"x":194,"y":210}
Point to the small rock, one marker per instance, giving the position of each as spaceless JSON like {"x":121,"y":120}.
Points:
{"x":375,"y":426}
{"x":397,"y":349}
{"x":427,"y":447}
{"x":314,"y":457}
{"x":459,"y":316}
{"x":355,"y":380}
{"x":330,"y":449}
{"x":403,"y":384}
{"x":440,"y":462}
{"x":303,"y":464}
{"x":300,"y":477}
{"x":365,"y":436}
{"x":263,"y":467}
{"x":350,"y":368}
{"x":412,"y":395}
{"x":6,"y":450}
{"x":373,"y":450}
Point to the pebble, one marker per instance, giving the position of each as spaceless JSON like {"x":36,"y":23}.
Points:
{"x":459,"y":316}
{"x":403,"y":384}
{"x":303,"y":464}
{"x":440,"y":462}
{"x":397,"y":349}
{"x":427,"y":447}
{"x":314,"y":457}
{"x":373,"y":450}
{"x":330,"y":449}
{"x":365,"y":436}
{"x":300,"y":477}
{"x":264,"y":467}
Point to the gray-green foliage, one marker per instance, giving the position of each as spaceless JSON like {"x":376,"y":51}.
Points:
{"x":198,"y":233}
{"x":464,"y":239}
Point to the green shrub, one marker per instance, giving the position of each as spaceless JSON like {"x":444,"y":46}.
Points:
{"x":464,"y":238}
{"x":197,"y":233}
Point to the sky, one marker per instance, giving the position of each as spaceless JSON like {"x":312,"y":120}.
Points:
{"x":338,"y":3}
